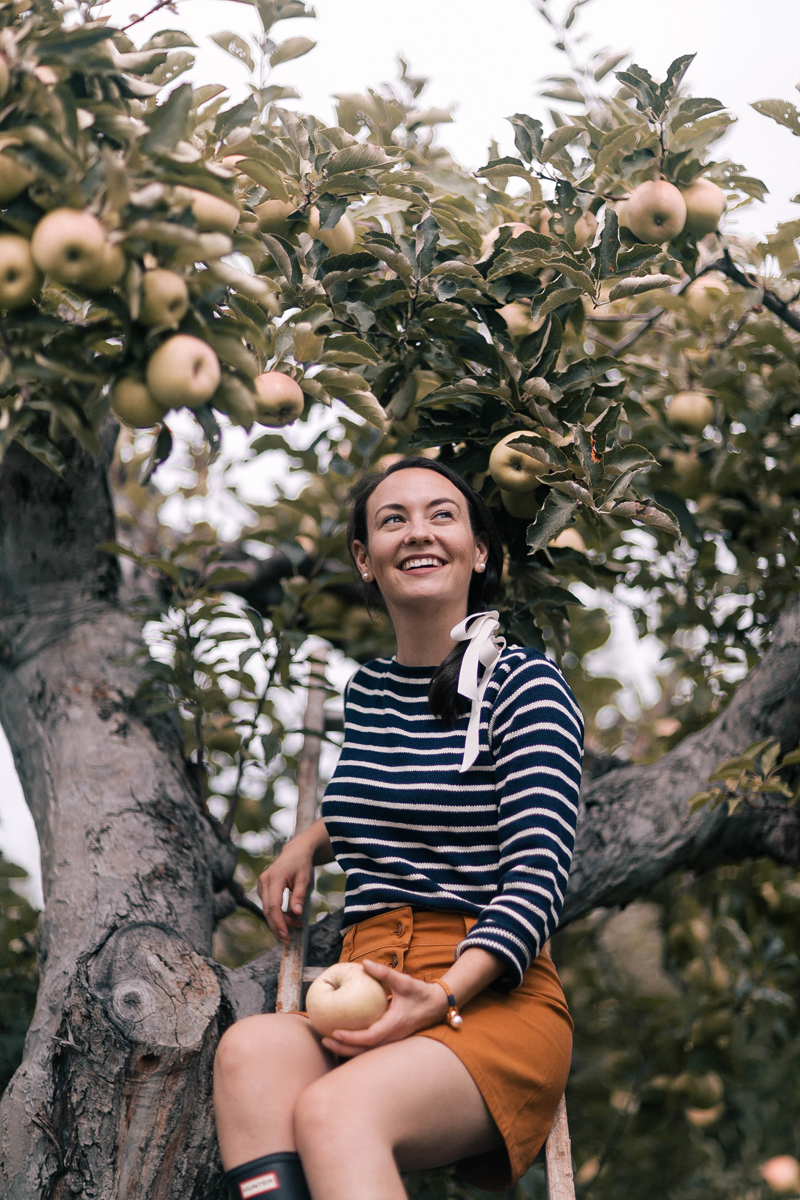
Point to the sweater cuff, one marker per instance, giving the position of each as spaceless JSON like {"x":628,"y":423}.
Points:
{"x":515,"y":965}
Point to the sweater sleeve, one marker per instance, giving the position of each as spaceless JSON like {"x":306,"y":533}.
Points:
{"x":536,"y":737}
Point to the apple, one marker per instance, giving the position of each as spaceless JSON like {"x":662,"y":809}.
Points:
{"x":705,"y":204}
{"x":345,"y":997}
{"x":569,"y":539}
{"x":20,"y":280}
{"x":781,"y":1173}
{"x":656,"y":211}
{"x":4,"y":77}
{"x":522,"y":505}
{"x":183,"y":370}
{"x":213,"y":215}
{"x":279,"y":398}
{"x":489,"y":239}
{"x":14,"y":175}
{"x":690,"y":473}
{"x":585,"y":229}
{"x":272,"y":217}
{"x":690,"y":411}
{"x":165,"y":298}
{"x":518,"y":319}
{"x":340,"y":239}
{"x":69,"y":245}
{"x":705,"y":293}
{"x":621,"y":209}
{"x":110,"y":271}
{"x":512,"y":469}
{"x":132,"y":403}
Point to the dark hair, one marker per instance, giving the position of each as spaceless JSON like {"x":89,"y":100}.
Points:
{"x":443,"y":696}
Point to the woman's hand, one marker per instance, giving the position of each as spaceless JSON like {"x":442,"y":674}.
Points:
{"x":292,"y":869}
{"x":414,"y":1005}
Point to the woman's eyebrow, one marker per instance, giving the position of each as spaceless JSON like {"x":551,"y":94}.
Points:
{"x":430,"y":504}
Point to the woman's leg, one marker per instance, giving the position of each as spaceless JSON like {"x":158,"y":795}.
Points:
{"x":262,"y":1066}
{"x":407,"y":1106}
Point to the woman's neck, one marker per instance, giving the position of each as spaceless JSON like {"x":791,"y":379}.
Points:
{"x":423,"y":634}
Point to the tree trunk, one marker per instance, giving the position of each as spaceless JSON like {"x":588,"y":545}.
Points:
{"x":112,"y":1100}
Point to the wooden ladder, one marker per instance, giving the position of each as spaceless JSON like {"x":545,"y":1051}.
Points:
{"x":293,"y":972}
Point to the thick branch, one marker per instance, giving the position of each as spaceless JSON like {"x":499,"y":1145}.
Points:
{"x":635,"y":826}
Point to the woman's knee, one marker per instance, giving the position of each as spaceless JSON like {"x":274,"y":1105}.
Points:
{"x":255,"y":1042}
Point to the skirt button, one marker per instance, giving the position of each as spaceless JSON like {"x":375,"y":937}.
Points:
{"x":399,"y":931}
{"x":394,"y":961}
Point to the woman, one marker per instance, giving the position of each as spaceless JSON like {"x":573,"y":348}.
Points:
{"x":453,"y":817}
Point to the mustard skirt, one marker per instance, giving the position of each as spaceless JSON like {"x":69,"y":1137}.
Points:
{"x":517,"y":1047}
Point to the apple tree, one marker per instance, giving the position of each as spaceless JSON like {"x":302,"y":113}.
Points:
{"x":567,"y":328}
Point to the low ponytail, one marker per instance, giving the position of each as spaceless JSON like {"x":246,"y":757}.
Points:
{"x":443,"y":696}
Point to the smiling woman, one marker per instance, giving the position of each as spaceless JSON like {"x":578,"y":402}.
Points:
{"x":452,"y":812}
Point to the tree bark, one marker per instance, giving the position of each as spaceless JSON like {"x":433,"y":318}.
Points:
{"x":112,"y":1100}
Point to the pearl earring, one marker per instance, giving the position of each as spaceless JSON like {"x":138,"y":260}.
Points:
{"x":366,"y":575}
{"x":481,"y":567}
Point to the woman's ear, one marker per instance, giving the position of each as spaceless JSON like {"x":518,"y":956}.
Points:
{"x":481,"y":553}
{"x":362,"y":562}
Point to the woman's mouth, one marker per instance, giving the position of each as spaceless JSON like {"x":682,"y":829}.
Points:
{"x":422,"y":563}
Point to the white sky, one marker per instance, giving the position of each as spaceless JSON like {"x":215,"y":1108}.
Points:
{"x":489,"y":60}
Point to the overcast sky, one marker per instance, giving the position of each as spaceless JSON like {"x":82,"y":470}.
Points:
{"x":488,"y":59}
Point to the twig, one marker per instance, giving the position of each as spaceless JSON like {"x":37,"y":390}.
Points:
{"x":161,"y":4}
{"x":780,"y":308}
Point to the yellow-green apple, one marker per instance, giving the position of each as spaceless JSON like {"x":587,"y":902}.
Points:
{"x":621,"y":209}
{"x":213,"y":215}
{"x":489,"y":239}
{"x":110,"y":271}
{"x":20,"y":279}
{"x":272,"y":217}
{"x":656,"y":211}
{"x":132,"y":403}
{"x":340,"y":239}
{"x":69,"y":245}
{"x":690,"y":473}
{"x":705,"y":293}
{"x":4,"y":77}
{"x":14,"y":175}
{"x":279,"y":398}
{"x":705,"y":204}
{"x":345,"y":997}
{"x":690,"y":411}
{"x":585,"y":229}
{"x":165,"y":298}
{"x":183,"y":370}
{"x":569,"y":539}
{"x":782,"y":1174}
{"x":511,"y":468}
{"x":522,"y":505}
{"x":518,"y":319}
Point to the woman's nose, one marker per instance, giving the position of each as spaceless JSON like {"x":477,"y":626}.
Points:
{"x":418,"y":531}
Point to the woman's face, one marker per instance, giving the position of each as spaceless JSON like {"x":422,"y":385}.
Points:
{"x":420,"y":544}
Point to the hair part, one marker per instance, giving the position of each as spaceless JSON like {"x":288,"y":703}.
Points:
{"x":443,"y":697}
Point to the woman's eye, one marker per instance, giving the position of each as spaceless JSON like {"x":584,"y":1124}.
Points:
{"x":391,"y":517}
{"x":444,"y":512}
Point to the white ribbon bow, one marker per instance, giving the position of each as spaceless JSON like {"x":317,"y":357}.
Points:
{"x":484,"y":648}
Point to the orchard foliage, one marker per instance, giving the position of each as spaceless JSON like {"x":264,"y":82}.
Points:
{"x":656,"y":388}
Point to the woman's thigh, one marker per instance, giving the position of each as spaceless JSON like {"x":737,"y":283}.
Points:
{"x":416,"y":1096}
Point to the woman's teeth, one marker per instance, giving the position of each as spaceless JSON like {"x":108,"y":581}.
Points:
{"x":411,"y":563}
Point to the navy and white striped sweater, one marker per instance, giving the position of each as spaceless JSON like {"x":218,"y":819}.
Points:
{"x":494,"y":842}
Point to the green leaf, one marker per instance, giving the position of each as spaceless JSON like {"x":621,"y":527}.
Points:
{"x":627,"y":458}
{"x":160,"y":452}
{"x":634,"y":257}
{"x":558,"y":140}
{"x":618,"y":142}
{"x":781,"y":111}
{"x":554,"y":515}
{"x":294,"y":47}
{"x":557,"y":596}
{"x":285,"y":257}
{"x":224,"y":575}
{"x":43,"y":449}
{"x":361,"y":157}
{"x":234,"y":45}
{"x":167,"y":122}
{"x":790,"y":759}
{"x":608,"y":63}
{"x":427,"y":240}
{"x":347,"y":348}
{"x":553,"y":296}
{"x":366,"y":405}
{"x":644,"y":88}
{"x":700,"y":799}
{"x":541,"y":449}
{"x":527,"y":136}
{"x":609,"y":245}
{"x":732,"y":768}
{"x":635,"y":285}
{"x":648,"y":514}
{"x":266,"y":175}
{"x":675,"y":74}
{"x":296,"y":132}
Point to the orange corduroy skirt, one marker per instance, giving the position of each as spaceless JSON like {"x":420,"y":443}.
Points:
{"x":516,"y":1046}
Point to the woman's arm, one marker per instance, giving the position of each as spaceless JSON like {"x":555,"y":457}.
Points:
{"x":293,"y":869}
{"x":416,"y":1004}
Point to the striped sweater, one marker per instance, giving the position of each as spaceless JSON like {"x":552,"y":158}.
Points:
{"x":494,"y":842}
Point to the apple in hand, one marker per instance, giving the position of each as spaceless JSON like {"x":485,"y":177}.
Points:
{"x":20,"y":280}
{"x":705,"y":204}
{"x":345,"y":997}
{"x":656,"y":212}
{"x":70,"y":246}
{"x":133,"y":404}
{"x":512,"y":469}
{"x":279,"y":398}
{"x":183,"y":370}
{"x":690,"y":411}
{"x":165,"y":298}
